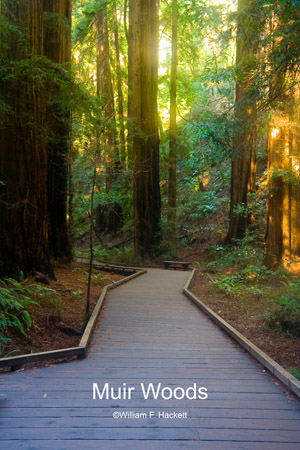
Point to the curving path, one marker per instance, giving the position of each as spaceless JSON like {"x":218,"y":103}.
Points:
{"x":150,"y":333}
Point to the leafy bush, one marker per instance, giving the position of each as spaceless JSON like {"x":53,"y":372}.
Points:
{"x":295,"y":372}
{"x":286,"y":314}
{"x":246,"y":280}
{"x":240,"y":283}
{"x":14,"y":302}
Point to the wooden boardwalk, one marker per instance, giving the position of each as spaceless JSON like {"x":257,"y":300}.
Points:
{"x":150,"y":333}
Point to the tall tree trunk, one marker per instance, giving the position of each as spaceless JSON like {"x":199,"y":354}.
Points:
{"x":243,"y":171}
{"x":122,"y":149}
{"x":109,"y":217}
{"x":24,"y":221}
{"x":172,"y":137}
{"x":143,"y":122}
{"x":105,"y":92}
{"x":57,"y":47}
{"x":283,"y":202}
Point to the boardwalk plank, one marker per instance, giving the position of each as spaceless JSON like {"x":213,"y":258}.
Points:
{"x":257,"y":414}
{"x":109,"y":422}
{"x":153,"y":434}
{"x":147,"y":445}
{"x":149,"y":332}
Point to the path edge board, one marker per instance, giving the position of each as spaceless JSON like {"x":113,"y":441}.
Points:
{"x":92,"y":321}
{"x":278,"y":371}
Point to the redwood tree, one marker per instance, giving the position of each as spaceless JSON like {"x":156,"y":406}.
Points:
{"x":143,"y":122}
{"x":172,"y":138}
{"x":283,"y":201}
{"x":57,"y":47}
{"x":122,"y":145}
{"x":243,"y":170}
{"x":24,"y":223}
{"x":105,"y":92}
{"x":108,"y":216}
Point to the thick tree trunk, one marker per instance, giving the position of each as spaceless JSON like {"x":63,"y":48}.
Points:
{"x":143,"y":122}
{"x":283,"y":201}
{"x":172,"y":137}
{"x":24,"y":221}
{"x":283,"y":205}
{"x":57,"y":47}
{"x":243,"y":172}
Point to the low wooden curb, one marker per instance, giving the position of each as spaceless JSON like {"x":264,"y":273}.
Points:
{"x":91,"y":323}
{"x":15,"y":362}
{"x":279,"y":372}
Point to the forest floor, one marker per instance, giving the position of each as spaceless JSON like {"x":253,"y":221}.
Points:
{"x":65,"y":307}
{"x":60,"y":306}
{"x":248,"y":313}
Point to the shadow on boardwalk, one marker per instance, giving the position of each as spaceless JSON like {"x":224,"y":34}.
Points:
{"x":149,"y":332}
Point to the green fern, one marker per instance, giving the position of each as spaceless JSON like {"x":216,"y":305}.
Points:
{"x":15,"y":299}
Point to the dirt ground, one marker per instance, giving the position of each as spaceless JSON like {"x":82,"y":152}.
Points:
{"x":247,"y":314}
{"x":66,"y":308}
{"x":62,"y":308}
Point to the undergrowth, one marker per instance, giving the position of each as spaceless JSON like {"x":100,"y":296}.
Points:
{"x":286,"y":310}
{"x":15,"y":300}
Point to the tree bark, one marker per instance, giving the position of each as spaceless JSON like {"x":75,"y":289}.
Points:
{"x":122,"y":147}
{"x":108,"y":216}
{"x":105,"y":92}
{"x":172,"y":137}
{"x":143,"y":123}
{"x":243,"y":170}
{"x":283,"y":202}
{"x":57,"y":47}
{"x":24,"y":222}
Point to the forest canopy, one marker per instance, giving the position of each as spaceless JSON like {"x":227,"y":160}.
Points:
{"x":135,"y":129}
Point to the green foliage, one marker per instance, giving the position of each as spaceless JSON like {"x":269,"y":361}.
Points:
{"x":286,"y":310}
{"x":123,"y":255}
{"x":245,"y":281}
{"x":244,"y":253}
{"x":15,"y":299}
{"x":295,"y":372}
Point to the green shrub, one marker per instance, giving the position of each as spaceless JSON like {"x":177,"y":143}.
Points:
{"x":244,"y":281}
{"x":14,"y":302}
{"x":286,"y":310}
{"x":295,"y":372}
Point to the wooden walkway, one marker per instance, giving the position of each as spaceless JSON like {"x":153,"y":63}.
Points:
{"x":150,"y":333}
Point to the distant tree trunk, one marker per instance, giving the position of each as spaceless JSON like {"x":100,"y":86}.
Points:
{"x":108,"y":216}
{"x":274,"y":242}
{"x":57,"y":47}
{"x":283,"y":202}
{"x":143,"y":122}
{"x":24,"y":220}
{"x":122,"y":149}
{"x":243,"y":171}
{"x":105,"y":92}
{"x":173,"y":138}
{"x":125,"y":19}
